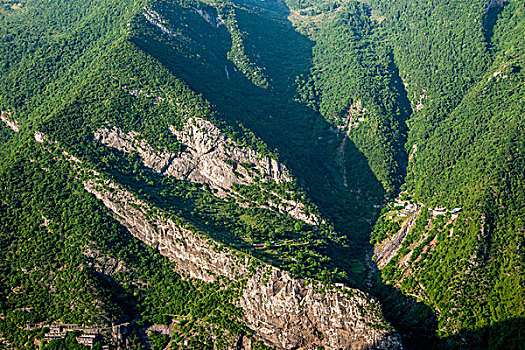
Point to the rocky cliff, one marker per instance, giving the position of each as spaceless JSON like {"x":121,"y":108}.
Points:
{"x":210,"y":158}
{"x":388,"y":249}
{"x":6,"y":117}
{"x":289,"y":313}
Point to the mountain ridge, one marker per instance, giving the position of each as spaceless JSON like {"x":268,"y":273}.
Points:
{"x":330,"y":120}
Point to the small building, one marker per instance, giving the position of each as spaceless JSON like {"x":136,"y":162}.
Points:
{"x":54,"y":335}
{"x":439,"y":211}
{"x":408,"y":210}
{"x":88,"y":339}
{"x":455,"y":213}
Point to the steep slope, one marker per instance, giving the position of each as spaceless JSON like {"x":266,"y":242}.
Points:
{"x":207,"y":174}
{"x":452,"y":70}
{"x":334,"y":318}
{"x":72,"y":263}
{"x":93,"y":105}
{"x":464,"y":256}
{"x":355,"y":85}
{"x":306,"y":143}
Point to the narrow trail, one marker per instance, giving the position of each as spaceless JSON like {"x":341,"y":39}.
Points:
{"x":340,"y":158}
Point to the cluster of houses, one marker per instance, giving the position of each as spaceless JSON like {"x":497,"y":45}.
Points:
{"x":88,"y":337}
{"x":89,"y":334}
{"x":410,"y":207}
{"x":442,"y":211}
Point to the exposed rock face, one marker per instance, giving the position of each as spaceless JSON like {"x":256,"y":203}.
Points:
{"x":287,"y":312}
{"x":211,"y":158}
{"x":422,"y":97}
{"x":293,"y":314}
{"x":157,"y":20}
{"x":214,"y":152}
{"x":388,"y":249}
{"x":214,"y":22}
{"x":413,"y":152}
{"x":40,"y":137}
{"x":5,"y":116}
{"x":295,"y":209}
{"x":103,"y":264}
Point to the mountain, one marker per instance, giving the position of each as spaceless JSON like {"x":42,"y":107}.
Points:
{"x":262,"y":174}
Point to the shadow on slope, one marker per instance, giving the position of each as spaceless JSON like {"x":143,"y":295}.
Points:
{"x":305,"y":141}
{"x":302,"y":138}
{"x":508,"y":334}
{"x":491,"y":18}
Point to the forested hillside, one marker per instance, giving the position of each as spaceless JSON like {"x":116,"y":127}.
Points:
{"x":262,"y":174}
{"x":466,"y":151}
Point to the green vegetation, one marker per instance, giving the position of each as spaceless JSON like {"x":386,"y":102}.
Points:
{"x":286,"y":242}
{"x":359,"y":99}
{"x":304,"y":141}
{"x":469,"y":153}
{"x":383,"y":229}
{"x":353,"y":67}
{"x":238,"y":54}
{"x":159,"y":340}
{"x":453,"y":266}
{"x":52,"y":261}
{"x":65,"y":344}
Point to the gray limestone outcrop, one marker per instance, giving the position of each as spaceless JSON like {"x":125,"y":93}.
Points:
{"x":210,"y":158}
{"x":388,"y":249}
{"x":286,"y":312}
{"x":6,"y":117}
{"x":289,"y":313}
{"x":103,"y":264}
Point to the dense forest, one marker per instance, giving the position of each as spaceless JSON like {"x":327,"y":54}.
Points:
{"x":391,"y":123}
